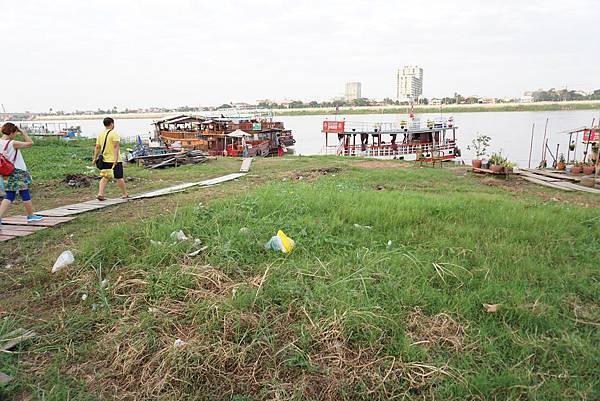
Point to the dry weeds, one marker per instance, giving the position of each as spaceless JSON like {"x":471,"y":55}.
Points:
{"x":268,"y":354}
{"x":437,"y":330}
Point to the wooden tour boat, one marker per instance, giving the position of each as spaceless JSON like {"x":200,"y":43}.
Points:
{"x":225,"y":136}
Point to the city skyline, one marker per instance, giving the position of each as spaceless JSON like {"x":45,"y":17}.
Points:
{"x":494,"y":49}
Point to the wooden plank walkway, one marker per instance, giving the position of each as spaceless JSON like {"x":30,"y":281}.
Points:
{"x":488,"y":171}
{"x":552,"y":174}
{"x":17,"y":226}
{"x":246,"y":163}
{"x":554,"y":180}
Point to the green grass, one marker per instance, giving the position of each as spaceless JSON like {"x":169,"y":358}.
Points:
{"x":348,"y":314}
{"x":53,"y":159}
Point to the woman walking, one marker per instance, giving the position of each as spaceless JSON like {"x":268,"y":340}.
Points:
{"x":19,"y":179}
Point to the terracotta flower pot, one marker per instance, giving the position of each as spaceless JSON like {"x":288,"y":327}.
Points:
{"x":588,"y":170}
{"x":576,"y":170}
{"x":476,"y":163}
{"x":496,"y":168}
{"x":561,"y":166}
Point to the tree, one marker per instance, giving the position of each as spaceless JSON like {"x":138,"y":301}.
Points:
{"x":224,"y":106}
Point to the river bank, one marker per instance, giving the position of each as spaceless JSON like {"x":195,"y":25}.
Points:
{"x":383,"y":295}
{"x":463,"y":108}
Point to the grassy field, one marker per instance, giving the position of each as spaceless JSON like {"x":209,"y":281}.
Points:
{"x":382,"y":297}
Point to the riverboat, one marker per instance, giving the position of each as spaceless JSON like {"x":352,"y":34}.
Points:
{"x":404,"y":140}
{"x":220,"y":136}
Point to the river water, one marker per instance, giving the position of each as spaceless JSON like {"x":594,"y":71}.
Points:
{"x":510,"y":131}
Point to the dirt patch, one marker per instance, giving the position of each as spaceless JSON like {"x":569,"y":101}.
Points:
{"x":312,"y":175}
{"x":382,"y":164}
{"x":438,"y":330}
{"x":79,"y":180}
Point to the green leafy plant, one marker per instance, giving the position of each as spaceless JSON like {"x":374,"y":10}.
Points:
{"x":497,"y":159}
{"x":480,"y":145}
{"x":561,"y":158}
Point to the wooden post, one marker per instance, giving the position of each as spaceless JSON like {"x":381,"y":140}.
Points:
{"x":544,"y":142}
{"x":569,"y":148}
{"x":531,"y":146}
{"x":557,"y":158}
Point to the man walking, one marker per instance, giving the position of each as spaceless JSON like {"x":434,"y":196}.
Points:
{"x":107,"y":155}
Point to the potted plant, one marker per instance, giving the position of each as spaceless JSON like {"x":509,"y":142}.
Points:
{"x":561,"y":164}
{"x":508,"y":166}
{"x":577,"y":168}
{"x":479,"y":145}
{"x":497,"y":162}
{"x":588,"y":168}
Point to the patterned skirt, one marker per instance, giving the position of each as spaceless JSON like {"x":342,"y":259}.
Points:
{"x":18,"y":180}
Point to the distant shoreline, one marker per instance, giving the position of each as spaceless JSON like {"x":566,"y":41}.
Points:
{"x":463,"y":108}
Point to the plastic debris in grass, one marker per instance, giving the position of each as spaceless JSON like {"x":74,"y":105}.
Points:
{"x":104,"y":283}
{"x":281,"y":242}
{"x":84,"y":297}
{"x":63,"y":260}
{"x":179,"y":235}
{"x":491,"y":308}
{"x":179,"y":343}
{"x":197,"y":252}
{"x":362,"y":227}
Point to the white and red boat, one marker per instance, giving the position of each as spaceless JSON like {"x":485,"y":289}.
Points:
{"x":405,"y":140}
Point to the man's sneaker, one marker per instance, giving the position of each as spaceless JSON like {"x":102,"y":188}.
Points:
{"x":33,"y":218}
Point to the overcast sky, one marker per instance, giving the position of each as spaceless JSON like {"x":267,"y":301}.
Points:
{"x":90,"y":54}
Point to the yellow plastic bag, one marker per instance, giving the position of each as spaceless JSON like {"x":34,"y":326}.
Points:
{"x":280,"y":242}
{"x":288,"y":243}
{"x":107,"y":173}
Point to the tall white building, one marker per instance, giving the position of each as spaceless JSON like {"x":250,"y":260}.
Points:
{"x":409,"y":84}
{"x":353,"y":90}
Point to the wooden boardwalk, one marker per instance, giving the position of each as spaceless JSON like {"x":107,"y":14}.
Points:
{"x":555,"y":180}
{"x":17,"y":226}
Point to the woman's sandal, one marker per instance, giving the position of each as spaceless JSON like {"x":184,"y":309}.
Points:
{"x":100,"y":198}
{"x":125,"y":196}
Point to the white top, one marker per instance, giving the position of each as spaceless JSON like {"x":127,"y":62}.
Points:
{"x":19,"y":162}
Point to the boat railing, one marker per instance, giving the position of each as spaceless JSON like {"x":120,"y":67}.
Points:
{"x":394,"y":150}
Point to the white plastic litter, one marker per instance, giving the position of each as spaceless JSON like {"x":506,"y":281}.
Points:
{"x":389,"y":244}
{"x":104,"y":283}
{"x":197,"y":252}
{"x":84,"y":297}
{"x":179,"y":343}
{"x":153,"y":242}
{"x":362,"y":227}
{"x":179,"y":236}
{"x":197,"y":242}
{"x":65,"y":259}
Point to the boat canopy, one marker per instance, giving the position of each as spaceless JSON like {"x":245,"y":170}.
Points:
{"x":238,"y":133}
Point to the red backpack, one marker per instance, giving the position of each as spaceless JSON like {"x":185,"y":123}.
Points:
{"x":6,"y":166}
